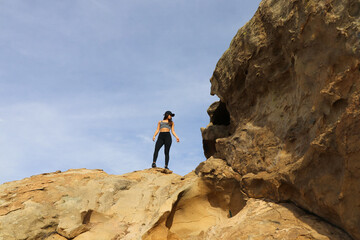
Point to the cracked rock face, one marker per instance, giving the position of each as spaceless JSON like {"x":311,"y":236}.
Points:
{"x":289,"y":84}
{"x":152,"y":204}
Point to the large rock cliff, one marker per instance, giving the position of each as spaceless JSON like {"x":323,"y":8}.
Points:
{"x":288,"y":119}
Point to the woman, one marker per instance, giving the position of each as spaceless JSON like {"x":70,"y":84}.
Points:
{"x":164,"y":127}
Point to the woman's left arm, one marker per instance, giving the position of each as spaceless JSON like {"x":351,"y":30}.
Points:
{"x":173,"y":132}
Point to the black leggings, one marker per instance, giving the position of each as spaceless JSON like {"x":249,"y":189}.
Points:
{"x":164,"y":138}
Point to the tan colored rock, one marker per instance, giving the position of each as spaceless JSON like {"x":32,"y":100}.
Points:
{"x":55,"y":237}
{"x":290,"y":83}
{"x":80,"y":203}
{"x":261,"y":220}
{"x":150,"y":204}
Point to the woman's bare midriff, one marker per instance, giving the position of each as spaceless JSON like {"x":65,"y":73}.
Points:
{"x":164,"y":130}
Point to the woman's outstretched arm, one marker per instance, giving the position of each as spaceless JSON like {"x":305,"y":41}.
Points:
{"x":173,"y":132}
{"x":157,"y":131}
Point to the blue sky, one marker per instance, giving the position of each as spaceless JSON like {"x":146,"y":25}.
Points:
{"x":83,"y":83}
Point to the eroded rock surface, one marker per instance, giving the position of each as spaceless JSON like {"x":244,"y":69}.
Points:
{"x":152,"y":204}
{"x":262,"y":220}
{"x":86,"y":204}
{"x":282,"y":148}
{"x":290,"y":84}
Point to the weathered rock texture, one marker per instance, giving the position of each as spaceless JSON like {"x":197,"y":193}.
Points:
{"x":86,"y":204}
{"x":288,"y":119}
{"x":151,"y":204}
{"x":282,"y":146}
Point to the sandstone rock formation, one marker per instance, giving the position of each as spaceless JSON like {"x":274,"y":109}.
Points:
{"x":152,"y":204}
{"x":85,"y":204}
{"x":282,"y":148}
{"x":288,"y":119}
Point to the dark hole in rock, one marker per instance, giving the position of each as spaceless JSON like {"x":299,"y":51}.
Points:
{"x":209,"y":148}
{"x":354,"y":9}
{"x":340,"y":104}
{"x":86,"y":216}
{"x":337,"y":109}
{"x":221,"y":115}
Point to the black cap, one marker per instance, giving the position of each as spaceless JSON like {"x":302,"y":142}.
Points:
{"x":167,"y":113}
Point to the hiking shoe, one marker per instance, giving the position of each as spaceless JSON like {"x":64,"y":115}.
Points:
{"x":166,"y":167}
{"x":153,"y":165}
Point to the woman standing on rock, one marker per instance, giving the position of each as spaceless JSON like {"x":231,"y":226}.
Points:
{"x":164,"y":127}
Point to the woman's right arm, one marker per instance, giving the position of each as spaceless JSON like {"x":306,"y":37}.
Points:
{"x":157,"y":131}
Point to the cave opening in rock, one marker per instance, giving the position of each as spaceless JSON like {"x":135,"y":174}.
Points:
{"x":220,"y":120}
{"x":221,"y":115}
